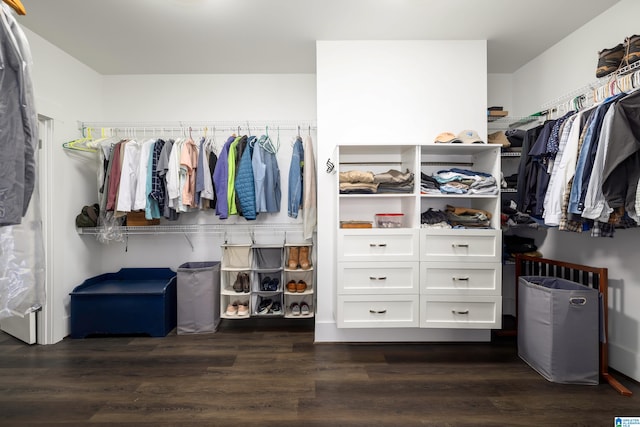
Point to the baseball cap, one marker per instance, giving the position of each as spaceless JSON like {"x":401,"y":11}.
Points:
{"x":498,"y":138}
{"x":470,"y":137}
{"x":446,"y":137}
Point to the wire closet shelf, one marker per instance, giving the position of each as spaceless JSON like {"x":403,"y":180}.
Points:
{"x":183,"y":127}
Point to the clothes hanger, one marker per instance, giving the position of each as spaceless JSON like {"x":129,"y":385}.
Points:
{"x":81,"y":144}
{"x":17,"y":6}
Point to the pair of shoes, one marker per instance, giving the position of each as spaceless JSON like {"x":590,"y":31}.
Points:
{"x":237,"y":308}
{"x":264,"y":306}
{"x":242,"y":283}
{"x":293,"y":286}
{"x":610,"y":60}
{"x":298,"y":257}
{"x":299,"y":309}
{"x":631,"y":50}
{"x":269,"y":284}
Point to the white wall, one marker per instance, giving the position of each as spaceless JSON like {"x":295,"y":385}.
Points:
{"x":65,"y":90}
{"x":567,"y":66}
{"x":387,"y":92}
{"x":499,"y":91}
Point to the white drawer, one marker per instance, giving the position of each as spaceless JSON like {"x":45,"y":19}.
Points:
{"x":460,"y":245}
{"x":378,"y":277}
{"x":469,"y":278}
{"x":451,"y":311}
{"x":399,"y":244}
{"x":377,"y":311}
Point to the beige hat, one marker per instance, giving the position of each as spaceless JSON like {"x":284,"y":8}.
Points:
{"x":498,"y":138}
{"x":446,"y":137}
{"x":470,"y":137}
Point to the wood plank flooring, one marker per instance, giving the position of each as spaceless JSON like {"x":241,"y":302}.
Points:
{"x":270,"y":373}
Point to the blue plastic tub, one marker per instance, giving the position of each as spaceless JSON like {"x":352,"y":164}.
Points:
{"x":133,"y":301}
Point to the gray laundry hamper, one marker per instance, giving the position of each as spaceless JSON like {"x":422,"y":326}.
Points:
{"x":559,"y":329}
{"x":198,"y":297}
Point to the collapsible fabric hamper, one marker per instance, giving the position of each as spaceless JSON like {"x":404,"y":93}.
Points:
{"x":558,"y":329}
{"x":198,"y":295}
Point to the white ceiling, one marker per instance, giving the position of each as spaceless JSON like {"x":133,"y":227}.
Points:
{"x":278,"y":36}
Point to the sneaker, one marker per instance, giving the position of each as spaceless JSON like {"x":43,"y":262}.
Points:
{"x":609,"y":60}
{"x":295,"y":309}
{"x":232,"y":309}
{"x":631,"y":50}
{"x":243,"y":308}
{"x":264,"y":284}
{"x":291,"y":286}
{"x":304,"y":309}
{"x":276,"y":308}
{"x":265,"y":306}
{"x":301,"y":286}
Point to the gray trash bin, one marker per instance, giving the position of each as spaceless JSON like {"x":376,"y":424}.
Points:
{"x":558,"y":329}
{"x":198,"y":297}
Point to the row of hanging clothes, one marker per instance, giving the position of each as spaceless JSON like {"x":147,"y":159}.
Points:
{"x":580,"y":171}
{"x":165,"y":177}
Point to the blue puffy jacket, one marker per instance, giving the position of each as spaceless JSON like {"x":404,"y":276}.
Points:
{"x":244,"y":184}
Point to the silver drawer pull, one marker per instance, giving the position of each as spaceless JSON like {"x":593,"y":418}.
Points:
{"x":461,"y":279}
{"x":460,"y":311}
{"x":379,"y":245}
{"x":377,"y":278}
{"x":377,"y":311}
{"x":460,"y":245}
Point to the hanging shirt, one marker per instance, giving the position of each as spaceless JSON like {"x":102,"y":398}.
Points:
{"x":140,"y":199}
{"x":128,"y":176}
{"x":309,"y":204}
{"x":188,"y":166}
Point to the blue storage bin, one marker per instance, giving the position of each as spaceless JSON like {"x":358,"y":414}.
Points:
{"x":130,"y":302}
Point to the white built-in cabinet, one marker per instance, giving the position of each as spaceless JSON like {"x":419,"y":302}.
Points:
{"x":413,"y":276}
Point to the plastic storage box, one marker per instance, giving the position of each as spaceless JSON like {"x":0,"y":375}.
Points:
{"x":130,"y":302}
{"x":198,"y":295}
{"x":558,"y":329}
{"x":389,"y":220}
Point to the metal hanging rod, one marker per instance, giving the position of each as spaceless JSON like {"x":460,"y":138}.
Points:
{"x":201,"y":126}
{"x":197,"y":228}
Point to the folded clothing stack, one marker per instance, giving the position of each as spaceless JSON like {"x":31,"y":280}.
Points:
{"x":465,"y":181}
{"x":468,"y":217}
{"x":366,"y":182}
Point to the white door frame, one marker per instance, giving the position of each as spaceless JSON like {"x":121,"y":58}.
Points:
{"x":45,"y":316}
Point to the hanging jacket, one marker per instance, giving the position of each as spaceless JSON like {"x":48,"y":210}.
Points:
{"x":295,"y":179}
{"x":220,"y":177}
{"x":231,"y":177}
{"x":245,"y":187}
{"x":273,"y":192}
{"x":18,"y":122}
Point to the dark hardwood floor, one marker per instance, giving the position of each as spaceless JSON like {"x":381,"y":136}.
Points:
{"x":270,"y":373}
